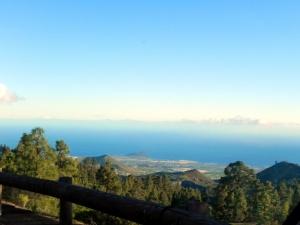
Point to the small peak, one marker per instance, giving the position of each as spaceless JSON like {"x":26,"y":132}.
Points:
{"x":193,"y":171}
{"x":284,"y":163}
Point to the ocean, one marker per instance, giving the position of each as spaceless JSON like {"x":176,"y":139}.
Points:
{"x":255,"y":144}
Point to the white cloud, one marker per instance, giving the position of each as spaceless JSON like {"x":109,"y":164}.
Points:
{"x":240,"y":120}
{"x":237,"y":120}
{"x":6,"y":95}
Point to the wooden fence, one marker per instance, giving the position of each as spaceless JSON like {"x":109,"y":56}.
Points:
{"x":142,"y":212}
{"x":127,"y":208}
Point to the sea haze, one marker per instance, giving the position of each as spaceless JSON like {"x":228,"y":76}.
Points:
{"x":213,"y":142}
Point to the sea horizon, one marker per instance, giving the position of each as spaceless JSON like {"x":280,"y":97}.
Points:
{"x":207,"y":142}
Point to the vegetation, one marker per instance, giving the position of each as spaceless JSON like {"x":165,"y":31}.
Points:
{"x":238,"y":197}
{"x":280,"y":172}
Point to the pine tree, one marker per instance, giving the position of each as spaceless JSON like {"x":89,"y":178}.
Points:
{"x":233,"y":200}
{"x":7,"y":159}
{"x":35,"y":157}
{"x":266,"y":204}
{"x":67,"y":166}
{"x":107,"y":179}
{"x":296,"y":194}
{"x":87,"y":171}
{"x":181,"y":197}
{"x":286,"y":196}
{"x":164,"y":199}
{"x":240,"y":206}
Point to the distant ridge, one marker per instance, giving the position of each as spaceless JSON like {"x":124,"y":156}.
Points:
{"x":191,"y":178}
{"x":283,"y":171}
{"x":138,"y":155}
{"x":119,"y":167}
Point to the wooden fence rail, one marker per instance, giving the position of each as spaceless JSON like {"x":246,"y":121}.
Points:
{"x":127,"y":208}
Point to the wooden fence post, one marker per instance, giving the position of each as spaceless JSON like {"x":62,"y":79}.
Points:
{"x":65,"y":212}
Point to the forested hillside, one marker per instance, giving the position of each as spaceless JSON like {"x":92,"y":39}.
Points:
{"x":280,"y":172}
{"x":239,"y":196}
{"x":119,"y":167}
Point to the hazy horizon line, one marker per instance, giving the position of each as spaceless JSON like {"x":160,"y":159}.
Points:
{"x":238,"y":120}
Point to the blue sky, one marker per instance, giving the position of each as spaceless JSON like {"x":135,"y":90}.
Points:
{"x":150,"y":60}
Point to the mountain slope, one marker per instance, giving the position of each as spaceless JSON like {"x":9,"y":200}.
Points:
{"x":191,"y":178}
{"x":283,"y":171}
{"x":119,"y":167}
